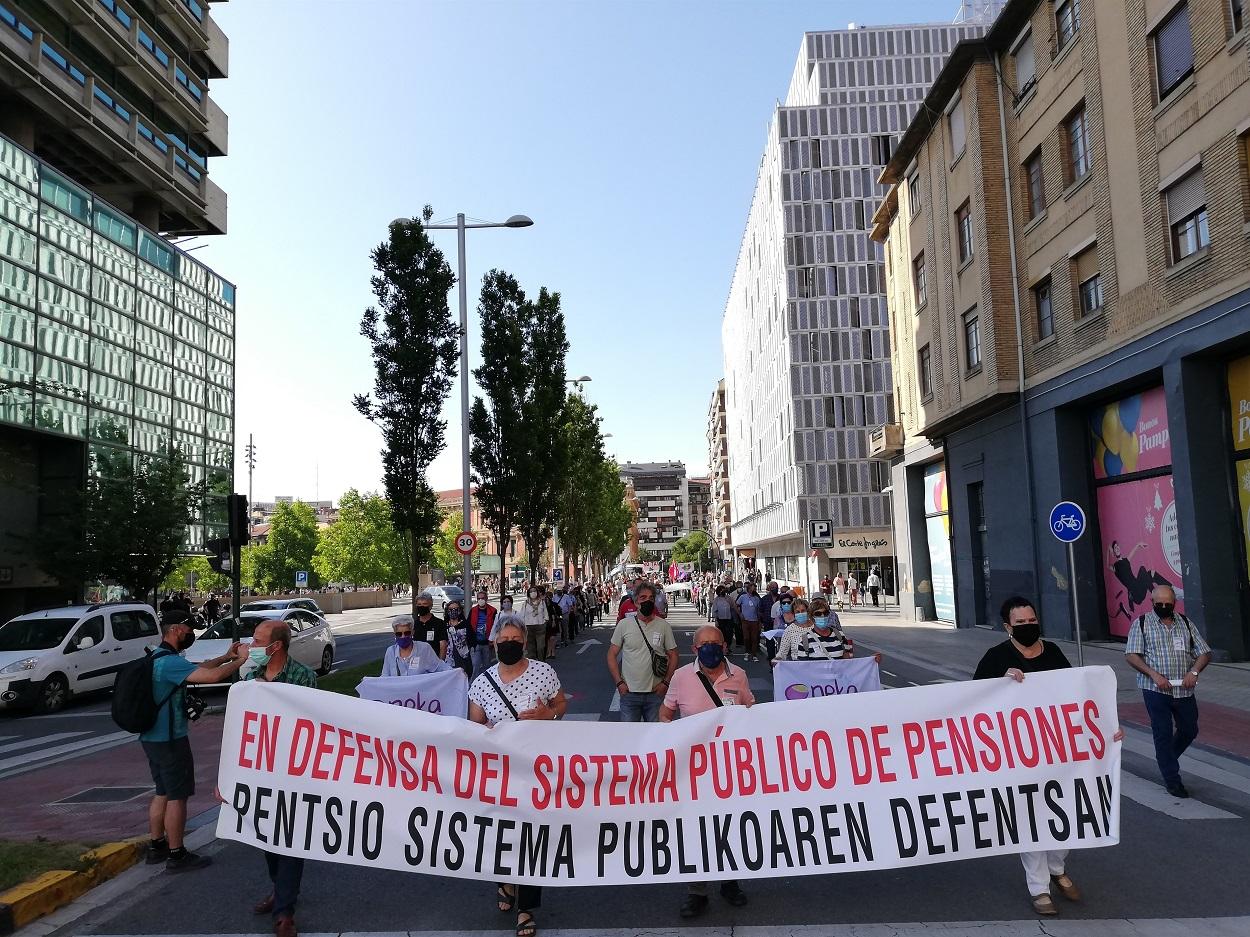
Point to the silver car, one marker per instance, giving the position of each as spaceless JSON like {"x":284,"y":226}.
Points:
{"x":312,"y":641}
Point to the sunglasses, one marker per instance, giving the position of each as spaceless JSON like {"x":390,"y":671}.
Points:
{"x":403,"y":634}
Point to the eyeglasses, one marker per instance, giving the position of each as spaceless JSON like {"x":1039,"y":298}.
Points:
{"x":403,"y":634}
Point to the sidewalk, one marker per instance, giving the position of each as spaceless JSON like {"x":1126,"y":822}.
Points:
{"x":1223,"y":691}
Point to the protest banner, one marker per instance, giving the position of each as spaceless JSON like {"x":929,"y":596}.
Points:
{"x":445,"y":693}
{"x":839,"y":783}
{"x":812,"y":679}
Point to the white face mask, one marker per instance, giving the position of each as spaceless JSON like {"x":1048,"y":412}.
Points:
{"x":481,"y":603}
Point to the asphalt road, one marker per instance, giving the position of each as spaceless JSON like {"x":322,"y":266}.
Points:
{"x":1167,"y":866}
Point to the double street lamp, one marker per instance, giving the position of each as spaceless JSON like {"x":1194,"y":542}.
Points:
{"x":516,"y":221}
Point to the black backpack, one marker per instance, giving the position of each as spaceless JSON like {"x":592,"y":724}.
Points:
{"x":134,"y":707}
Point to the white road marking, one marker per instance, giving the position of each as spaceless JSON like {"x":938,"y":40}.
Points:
{"x":584,"y":646}
{"x":887,"y":673}
{"x":1200,"y":764}
{"x":63,"y":752}
{"x":42,"y":740}
{"x":1150,"y":794}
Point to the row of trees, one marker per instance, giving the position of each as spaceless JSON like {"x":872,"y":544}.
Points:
{"x":536,"y":454}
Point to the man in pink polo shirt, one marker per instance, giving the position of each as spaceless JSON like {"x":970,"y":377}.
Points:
{"x":707,"y":682}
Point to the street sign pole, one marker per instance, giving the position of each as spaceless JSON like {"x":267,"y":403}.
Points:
{"x":1076,"y":606}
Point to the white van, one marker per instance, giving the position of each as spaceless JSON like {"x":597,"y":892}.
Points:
{"x":47,"y":657}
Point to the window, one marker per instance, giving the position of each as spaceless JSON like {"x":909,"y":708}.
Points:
{"x":959,"y":132}
{"x":972,"y":339}
{"x":882,"y":148}
{"x":1067,"y":21}
{"x":1243,"y":145}
{"x":158,"y":253}
{"x":814,"y":151}
{"x":913,"y":193}
{"x":1236,"y":15}
{"x":926,"y":372}
{"x":1037,"y":191}
{"x":918,"y":275}
{"x":92,"y":628}
{"x":1187,"y":216}
{"x":58,"y":191}
{"x":1045,"y":311}
{"x":115,"y":228}
{"x":1088,"y":283}
{"x":1026,"y":66}
{"x":963,"y":224}
{"x":1078,"y":145}
{"x":127,"y":626}
{"x":1174,"y":51}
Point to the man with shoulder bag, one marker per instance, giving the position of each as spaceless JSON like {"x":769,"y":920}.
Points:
{"x":1168,"y":654}
{"x":641,"y":657}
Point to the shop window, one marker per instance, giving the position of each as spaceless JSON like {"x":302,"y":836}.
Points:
{"x":1187,"y":216}
{"x":1174,"y":51}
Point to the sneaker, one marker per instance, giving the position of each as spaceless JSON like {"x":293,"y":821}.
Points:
{"x":187,"y":862}
{"x":157,"y":853}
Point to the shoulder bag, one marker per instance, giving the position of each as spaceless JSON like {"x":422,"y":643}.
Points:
{"x":498,"y":689}
{"x":659,"y":662}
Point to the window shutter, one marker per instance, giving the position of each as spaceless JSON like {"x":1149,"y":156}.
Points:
{"x":1174,"y":50}
{"x":1086,"y":264}
{"x":958,"y":131}
{"x":1025,"y":65}
{"x":1186,"y":197}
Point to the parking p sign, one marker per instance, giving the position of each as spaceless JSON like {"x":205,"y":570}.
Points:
{"x":819,"y":534}
{"x":301,"y":579}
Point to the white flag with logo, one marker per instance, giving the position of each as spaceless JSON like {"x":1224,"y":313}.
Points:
{"x":810,"y":679}
{"x":445,"y":693}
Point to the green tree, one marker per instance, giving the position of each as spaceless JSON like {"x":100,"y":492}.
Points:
{"x":445,"y":556}
{"x":414,"y":344}
{"x":499,"y":434}
{"x":612,"y":517}
{"x":692,"y":548}
{"x":578,"y":498}
{"x":361,"y":547}
{"x":646,"y":556}
{"x":292,"y":541}
{"x":129,"y":522}
{"x":249,"y":565}
{"x":542,"y":459}
{"x":197,"y":566}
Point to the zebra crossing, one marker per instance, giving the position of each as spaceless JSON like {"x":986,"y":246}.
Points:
{"x":19,"y":755}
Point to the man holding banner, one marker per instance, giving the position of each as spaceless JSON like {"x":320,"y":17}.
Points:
{"x":1025,"y":652}
{"x":708,"y":682}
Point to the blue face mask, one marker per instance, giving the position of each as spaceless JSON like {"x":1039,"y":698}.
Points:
{"x":259,"y":655}
{"x":785,"y":607}
{"x":800,"y":618}
{"x":821,"y":623}
{"x":711,"y":656}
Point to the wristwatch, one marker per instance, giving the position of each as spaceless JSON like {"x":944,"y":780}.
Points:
{"x":1193,"y":673}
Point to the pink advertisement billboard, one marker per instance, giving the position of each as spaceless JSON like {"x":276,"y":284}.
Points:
{"x":1131,"y":435}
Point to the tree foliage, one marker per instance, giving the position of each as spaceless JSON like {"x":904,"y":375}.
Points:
{"x":202,"y":574}
{"x":362,"y":546}
{"x":580,"y":492}
{"x":646,"y":556}
{"x":612,"y":516}
{"x":414,"y":343}
{"x":446,"y":557}
{"x":290,"y":546}
{"x":693,"y":548}
{"x":128,"y":523}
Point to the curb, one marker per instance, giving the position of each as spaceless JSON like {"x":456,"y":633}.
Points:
{"x":32,"y":900}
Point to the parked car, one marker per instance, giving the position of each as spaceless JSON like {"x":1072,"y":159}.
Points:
{"x":272,"y":605}
{"x":48,"y":657}
{"x":312,"y":641}
{"x":441,"y":595}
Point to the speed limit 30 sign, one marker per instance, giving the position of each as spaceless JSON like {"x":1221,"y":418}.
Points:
{"x":466,"y":542}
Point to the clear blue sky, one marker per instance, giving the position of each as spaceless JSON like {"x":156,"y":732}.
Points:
{"x":630,"y":132}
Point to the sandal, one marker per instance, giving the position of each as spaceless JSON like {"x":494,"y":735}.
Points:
{"x":528,"y":927}
{"x":505,"y":899}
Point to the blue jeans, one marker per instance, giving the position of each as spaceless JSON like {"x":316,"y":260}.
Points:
{"x":1171,"y":742}
{"x":640,"y":707}
{"x":285,"y":872}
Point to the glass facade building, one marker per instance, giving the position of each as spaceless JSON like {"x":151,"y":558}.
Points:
{"x":111,"y":335}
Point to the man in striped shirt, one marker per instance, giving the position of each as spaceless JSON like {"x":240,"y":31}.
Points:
{"x":1168,"y":654}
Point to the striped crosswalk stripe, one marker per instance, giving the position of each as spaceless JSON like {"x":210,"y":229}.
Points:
{"x":42,"y":740}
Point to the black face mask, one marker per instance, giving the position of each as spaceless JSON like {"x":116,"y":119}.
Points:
{"x":647,"y":607}
{"x":1163,"y":610}
{"x":422,"y":612}
{"x":510,"y":652}
{"x":186,"y":640}
{"x":1026,"y":635}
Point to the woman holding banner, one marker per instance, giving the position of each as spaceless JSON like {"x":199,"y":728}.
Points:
{"x":516,"y":688}
{"x":408,"y":657}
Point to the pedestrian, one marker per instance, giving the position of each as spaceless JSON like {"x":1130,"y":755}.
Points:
{"x":723,"y":612}
{"x":771,"y":593}
{"x":166,"y":744}
{"x":826,"y":584}
{"x":627,"y":605}
{"x":874,"y":587}
{"x":707,"y":682}
{"x":536,"y":617}
{"x":794,"y":639}
{"x":783,"y":609}
{"x":641,"y":640}
{"x":428,"y":627}
{"x":482,"y":623}
{"x":516,"y":689}
{"x":461,"y":639}
{"x":839,"y":587}
{"x":270,"y":652}
{"x":407,"y":656}
{"x":1168,"y":654}
{"x":749,"y":615}
{"x":1023,"y":652}
{"x":852,"y":586}
{"x":555,"y":618}
{"x":505,"y":605}
{"x":212,"y":609}
{"x":567,"y":603}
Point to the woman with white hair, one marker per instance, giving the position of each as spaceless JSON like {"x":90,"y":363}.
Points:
{"x":516,"y":689}
{"x":408,"y":657}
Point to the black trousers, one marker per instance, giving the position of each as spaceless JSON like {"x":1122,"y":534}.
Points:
{"x":285,"y":872}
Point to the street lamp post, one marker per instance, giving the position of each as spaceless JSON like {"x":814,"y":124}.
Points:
{"x":516,"y":221}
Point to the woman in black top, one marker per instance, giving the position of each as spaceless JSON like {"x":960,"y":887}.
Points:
{"x":1025,"y":652}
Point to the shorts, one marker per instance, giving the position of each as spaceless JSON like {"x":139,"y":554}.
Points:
{"x":173,"y":768}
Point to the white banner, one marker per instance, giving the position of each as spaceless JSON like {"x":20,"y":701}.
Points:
{"x":812,"y":679}
{"x":840,"y":783}
{"x":445,"y":694}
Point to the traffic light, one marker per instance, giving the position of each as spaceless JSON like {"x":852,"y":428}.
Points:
{"x":219,"y":555}
{"x":236,"y":510}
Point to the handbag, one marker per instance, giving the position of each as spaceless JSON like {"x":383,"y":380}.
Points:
{"x":659,"y":662}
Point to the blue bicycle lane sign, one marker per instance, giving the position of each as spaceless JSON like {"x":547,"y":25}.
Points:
{"x":1067,"y":521}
